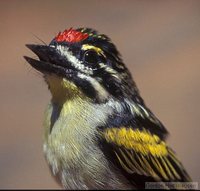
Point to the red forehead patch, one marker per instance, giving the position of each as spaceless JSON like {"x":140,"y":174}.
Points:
{"x":71,"y":35}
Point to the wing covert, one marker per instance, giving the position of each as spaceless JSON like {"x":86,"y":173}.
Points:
{"x":139,"y":152}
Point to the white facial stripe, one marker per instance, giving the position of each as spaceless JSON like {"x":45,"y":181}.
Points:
{"x":103,"y":94}
{"x":109,"y":70}
{"x":64,"y":51}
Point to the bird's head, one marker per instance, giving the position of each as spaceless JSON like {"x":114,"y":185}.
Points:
{"x":83,"y":62}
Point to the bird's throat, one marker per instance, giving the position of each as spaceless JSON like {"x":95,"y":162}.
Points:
{"x":62,"y":90}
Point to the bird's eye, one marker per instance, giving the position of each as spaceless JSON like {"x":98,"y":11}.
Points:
{"x":91,"y":57}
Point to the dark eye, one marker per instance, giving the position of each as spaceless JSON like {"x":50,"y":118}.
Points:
{"x":91,"y":57}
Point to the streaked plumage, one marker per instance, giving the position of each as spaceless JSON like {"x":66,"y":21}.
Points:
{"x":99,"y":134}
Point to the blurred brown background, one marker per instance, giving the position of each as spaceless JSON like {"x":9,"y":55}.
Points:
{"x":160,"y":43}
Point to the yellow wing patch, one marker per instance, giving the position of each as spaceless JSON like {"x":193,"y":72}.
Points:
{"x":139,"y":151}
{"x":141,"y":141}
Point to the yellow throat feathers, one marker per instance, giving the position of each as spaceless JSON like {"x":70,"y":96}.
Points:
{"x":62,"y":89}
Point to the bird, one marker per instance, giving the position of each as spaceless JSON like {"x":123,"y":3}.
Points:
{"x":98,"y":131}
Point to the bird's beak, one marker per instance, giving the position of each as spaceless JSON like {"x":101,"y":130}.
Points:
{"x":50,"y":61}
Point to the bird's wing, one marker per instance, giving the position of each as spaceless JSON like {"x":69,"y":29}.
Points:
{"x":139,"y":152}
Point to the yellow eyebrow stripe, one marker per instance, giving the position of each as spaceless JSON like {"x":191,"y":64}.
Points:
{"x":90,"y":47}
{"x":140,"y":141}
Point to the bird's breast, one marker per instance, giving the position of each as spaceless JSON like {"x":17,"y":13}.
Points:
{"x":70,"y":145}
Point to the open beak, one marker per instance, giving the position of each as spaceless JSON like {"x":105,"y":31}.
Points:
{"x":50,"y":61}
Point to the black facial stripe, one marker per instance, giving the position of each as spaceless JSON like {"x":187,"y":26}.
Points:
{"x":86,"y":87}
